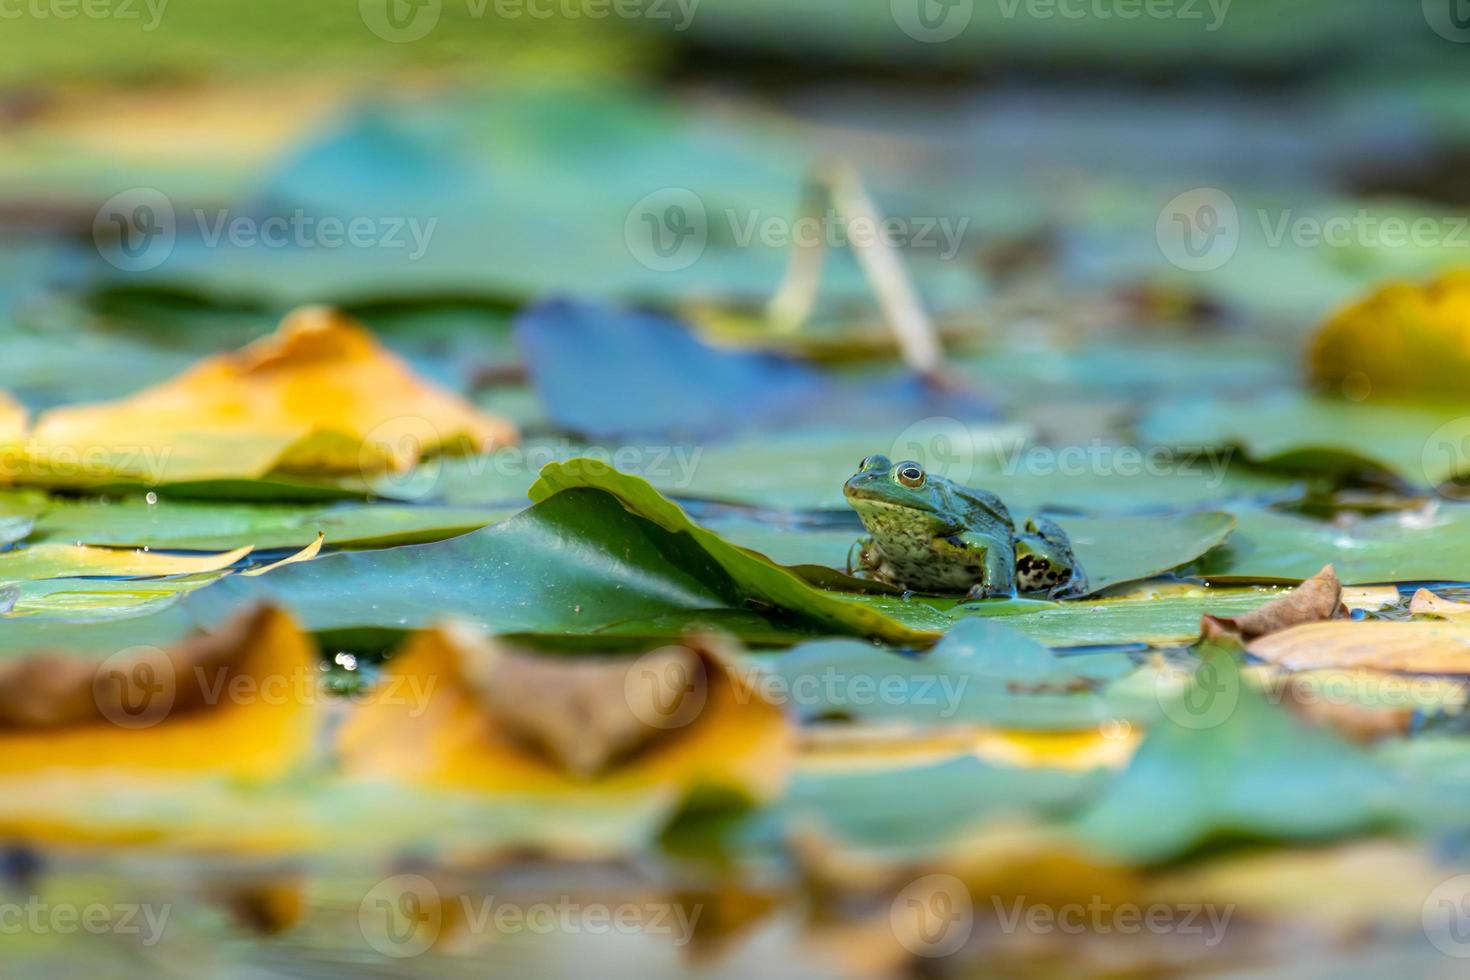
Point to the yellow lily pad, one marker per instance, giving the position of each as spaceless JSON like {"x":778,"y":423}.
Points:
{"x":319,"y":397}
{"x":453,"y":723}
{"x":45,"y":561}
{"x":113,"y":750}
{"x":1403,"y":339}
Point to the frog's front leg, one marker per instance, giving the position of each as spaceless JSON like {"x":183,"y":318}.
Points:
{"x":997,"y":563}
{"x":862,"y":558}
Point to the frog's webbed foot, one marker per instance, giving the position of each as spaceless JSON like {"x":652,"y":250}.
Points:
{"x":1075,"y":587}
{"x":861,"y":561}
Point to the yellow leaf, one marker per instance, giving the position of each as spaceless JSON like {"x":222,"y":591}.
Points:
{"x":150,"y":729}
{"x":1404,"y":339}
{"x":1422,"y":647}
{"x":319,"y":397}
{"x":305,"y":554}
{"x":12,"y":434}
{"x":50,"y":560}
{"x":446,"y":718}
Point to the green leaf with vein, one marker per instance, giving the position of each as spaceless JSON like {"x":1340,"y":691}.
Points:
{"x":207,"y":526}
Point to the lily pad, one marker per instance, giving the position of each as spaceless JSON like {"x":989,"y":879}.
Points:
{"x":1113,"y":550}
{"x":981,"y":672}
{"x":201,"y":526}
{"x":1423,"y":445}
{"x":1227,"y":764}
{"x":1270,"y":546}
{"x":579,"y":561}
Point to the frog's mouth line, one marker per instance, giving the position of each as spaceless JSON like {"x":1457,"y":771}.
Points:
{"x":868,"y":499}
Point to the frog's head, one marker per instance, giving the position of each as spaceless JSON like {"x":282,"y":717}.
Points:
{"x":881,"y":492}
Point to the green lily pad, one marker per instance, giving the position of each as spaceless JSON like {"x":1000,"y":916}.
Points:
{"x":1428,"y":546}
{"x":982,"y":671}
{"x":1227,"y":764}
{"x":577,"y":562}
{"x":209,"y":526}
{"x":1113,"y":550}
{"x":1426,"y":445}
{"x":807,"y":469}
{"x":920,"y":809}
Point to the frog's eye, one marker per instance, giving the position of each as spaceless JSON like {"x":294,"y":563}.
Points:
{"x":911,"y":475}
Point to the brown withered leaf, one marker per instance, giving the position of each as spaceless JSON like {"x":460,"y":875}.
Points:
{"x":1416,"y":647}
{"x":1318,"y":598}
{"x":1426,"y":603}
{"x":586,"y":713}
{"x":494,"y":721}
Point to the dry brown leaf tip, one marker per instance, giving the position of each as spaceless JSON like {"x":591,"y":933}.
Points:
{"x":1426,"y":603}
{"x":492,"y":718}
{"x":1318,"y":598}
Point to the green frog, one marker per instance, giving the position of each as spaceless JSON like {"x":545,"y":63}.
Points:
{"x":930,"y":534}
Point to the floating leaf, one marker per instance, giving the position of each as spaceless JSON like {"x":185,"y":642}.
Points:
{"x":1410,"y":546}
{"x":1227,"y":764}
{"x":1426,"y":603}
{"x":319,"y":397}
{"x":76,"y":732}
{"x":981,"y":672}
{"x":76,"y":561}
{"x":579,"y":562}
{"x":1318,"y":598}
{"x":1293,"y":431}
{"x":604,"y":372}
{"x":487,"y":720}
{"x":1408,"y":339}
{"x":201,"y":526}
{"x":1419,"y":647}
